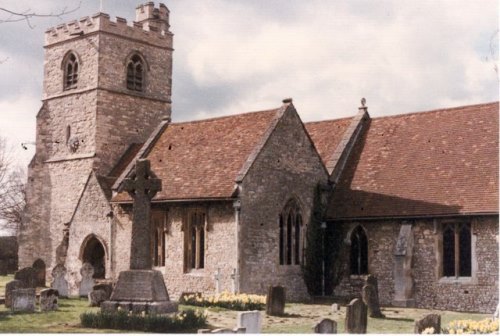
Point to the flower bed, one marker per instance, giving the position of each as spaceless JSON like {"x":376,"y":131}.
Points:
{"x":226,"y":300}
{"x":486,"y":326}
{"x":184,"y":321}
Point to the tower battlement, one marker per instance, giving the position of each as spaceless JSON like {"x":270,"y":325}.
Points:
{"x":151,"y":24}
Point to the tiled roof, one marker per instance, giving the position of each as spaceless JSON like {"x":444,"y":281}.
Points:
{"x":326,"y":135}
{"x":439,"y":162}
{"x":201,"y":159}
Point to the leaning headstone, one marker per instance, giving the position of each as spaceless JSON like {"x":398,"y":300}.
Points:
{"x":27,"y":276}
{"x":9,"y":287}
{"x":356,"y":317}
{"x":39,"y":267}
{"x":49,"y":299}
{"x":251,"y":320}
{"x":370,"y":297}
{"x":429,"y":321}
{"x":96,"y":296}
{"x":275,"y":303}
{"x":59,"y":280}
{"x":88,"y":281}
{"x":23,"y":300}
{"x":325,"y":326}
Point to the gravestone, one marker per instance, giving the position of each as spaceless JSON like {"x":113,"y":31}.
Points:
{"x":335,"y":308}
{"x":97,"y":296}
{"x":88,"y":282}
{"x":23,"y":300}
{"x":251,"y":321}
{"x":356,"y":317}
{"x":275,"y":302}
{"x":429,"y":321}
{"x":325,"y":326}
{"x":107,"y":287}
{"x":39,"y":267}
{"x":403,"y":271}
{"x":49,"y":299}
{"x":27,"y":276}
{"x":370,"y":297}
{"x":497,"y":312}
{"x":141,"y":288}
{"x":3,"y":267}
{"x":9,"y":287}
{"x":59,"y":282}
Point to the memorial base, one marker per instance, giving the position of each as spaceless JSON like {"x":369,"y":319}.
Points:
{"x":140,"y":291}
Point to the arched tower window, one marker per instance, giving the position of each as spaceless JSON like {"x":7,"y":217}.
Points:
{"x":290,"y":235}
{"x":71,"y":69}
{"x":135,"y":73}
{"x":359,"y":252}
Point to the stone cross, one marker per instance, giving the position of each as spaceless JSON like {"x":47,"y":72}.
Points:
{"x":142,"y":187}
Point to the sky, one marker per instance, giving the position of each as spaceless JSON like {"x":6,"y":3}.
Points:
{"x":234,"y":56}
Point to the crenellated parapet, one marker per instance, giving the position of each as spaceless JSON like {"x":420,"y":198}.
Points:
{"x":151,"y":25}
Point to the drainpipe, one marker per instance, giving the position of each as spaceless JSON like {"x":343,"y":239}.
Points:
{"x":110,"y":216}
{"x":236,"y":272}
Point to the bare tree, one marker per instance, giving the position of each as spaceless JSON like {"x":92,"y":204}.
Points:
{"x":27,"y":15}
{"x":12,"y":191}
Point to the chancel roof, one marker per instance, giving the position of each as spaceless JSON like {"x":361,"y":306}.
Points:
{"x":440,"y":162}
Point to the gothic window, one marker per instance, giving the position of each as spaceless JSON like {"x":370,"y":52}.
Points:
{"x":70,"y":71}
{"x":194,"y":238}
{"x":290,"y":235}
{"x":159,"y":243}
{"x":457,"y":250}
{"x":135,"y":74}
{"x":359,"y":252}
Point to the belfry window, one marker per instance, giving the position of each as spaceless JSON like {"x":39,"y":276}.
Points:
{"x":194,"y":241}
{"x":359,"y":252}
{"x":135,"y":74}
{"x":456,"y":252}
{"x":159,"y":242}
{"x":290,"y":235}
{"x":71,"y":69}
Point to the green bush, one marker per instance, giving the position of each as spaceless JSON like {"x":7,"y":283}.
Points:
{"x":187,"y":320}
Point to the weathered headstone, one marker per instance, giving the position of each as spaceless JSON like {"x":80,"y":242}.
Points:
{"x":275,"y":302}
{"x":143,"y":288}
{"x":97,"y":296}
{"x":403,"y":272}
{"x":251,"y":321}
{"x":39,"y":267}
{"x":497,"y":312}
{"x":49,"y":299}
{"x":23,"y":300}
{"x":429,"y":321}
{"x":325,"y":326}
{"x":335,"y":308}
{"x":88,"y":281}
{"x":27,"y":276}
{"x":3,"y":267}
{"x":356,"y":317}
{"x":9,"y":287}
{"x":370,"y":297}
{"x":59,"y":280}
{"x":107,"y":287}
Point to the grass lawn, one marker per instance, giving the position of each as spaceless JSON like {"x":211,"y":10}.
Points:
{"x":299,"y":318}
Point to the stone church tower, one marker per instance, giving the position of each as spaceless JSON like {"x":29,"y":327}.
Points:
{"x":107,"y":85}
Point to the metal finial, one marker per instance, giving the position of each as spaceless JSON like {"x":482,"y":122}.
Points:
{"x":363,"y":102}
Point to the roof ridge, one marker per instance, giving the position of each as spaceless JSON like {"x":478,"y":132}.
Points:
{"x":446,"y":109}
{"x":274,"y":110}
{"x":327,"y":120}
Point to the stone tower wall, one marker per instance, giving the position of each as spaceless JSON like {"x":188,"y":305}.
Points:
{"x":100,"y":114}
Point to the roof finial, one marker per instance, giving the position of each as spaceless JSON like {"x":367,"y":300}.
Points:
{"x":363,"y":102}
{"x":287,"y":100}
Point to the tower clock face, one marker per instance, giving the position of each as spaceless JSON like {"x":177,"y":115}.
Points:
{"x":73,"y":144}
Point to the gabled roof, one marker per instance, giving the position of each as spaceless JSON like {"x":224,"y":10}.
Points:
{"x":326,"y":135}
{"x":440,"y":162}
{"x":202,"y":159}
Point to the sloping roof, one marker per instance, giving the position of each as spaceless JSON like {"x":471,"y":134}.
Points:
{"x":439,"y":162}
{"x":326,"y":135}
{"x":201,"y":159}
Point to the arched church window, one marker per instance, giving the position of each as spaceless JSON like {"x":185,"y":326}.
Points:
{"x":194,"y":241}
{"x":359,"y":252}
{"x":290,"y":235}
{"x":135,"y":73}
{"x":71,"y":69}
{"x":457,"y":254}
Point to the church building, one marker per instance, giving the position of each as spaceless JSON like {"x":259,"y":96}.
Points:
{"x":416,"y":195}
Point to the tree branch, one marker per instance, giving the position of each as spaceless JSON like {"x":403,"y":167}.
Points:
{"x":28,"y":14}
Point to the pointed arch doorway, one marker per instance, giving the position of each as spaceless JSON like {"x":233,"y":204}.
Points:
{"x":94,"y":253}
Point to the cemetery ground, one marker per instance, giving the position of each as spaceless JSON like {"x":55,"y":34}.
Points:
{"x":299,"y":318}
